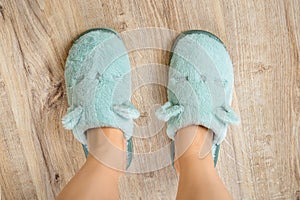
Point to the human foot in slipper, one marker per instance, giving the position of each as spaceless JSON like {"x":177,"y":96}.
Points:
{"x":200,"y":87}
{"x":99,"y":86}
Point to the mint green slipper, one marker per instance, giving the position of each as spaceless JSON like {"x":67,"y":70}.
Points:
{"x":200,"y":87}
{"x":98,"y":84}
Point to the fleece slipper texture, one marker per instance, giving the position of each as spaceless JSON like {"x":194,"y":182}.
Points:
{"x":98,"y":83}
{"x":200,"y":87}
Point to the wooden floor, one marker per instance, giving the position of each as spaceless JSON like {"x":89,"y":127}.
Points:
{"x":259,"y":159}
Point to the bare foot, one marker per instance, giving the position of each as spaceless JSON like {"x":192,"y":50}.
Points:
{"x":192,"y":142}
{"x":108,"y":146}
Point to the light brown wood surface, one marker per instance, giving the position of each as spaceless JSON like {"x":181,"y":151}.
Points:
{"x":258,"y":160}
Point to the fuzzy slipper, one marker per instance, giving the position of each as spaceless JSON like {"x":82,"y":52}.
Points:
{"x":200,"y":87}
{"x":98,"y":83}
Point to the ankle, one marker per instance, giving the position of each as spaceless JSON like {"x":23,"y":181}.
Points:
{"x":193,"y":149}
{"x":98,"y":167}
{"x":107,"y":146}
{"x":192,"y":164}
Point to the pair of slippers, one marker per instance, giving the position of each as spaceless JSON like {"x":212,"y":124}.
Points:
{"x":98,"y":84}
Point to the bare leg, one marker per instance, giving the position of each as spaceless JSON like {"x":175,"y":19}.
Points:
{"x":95,"y":180}
{"x":198,"y":177}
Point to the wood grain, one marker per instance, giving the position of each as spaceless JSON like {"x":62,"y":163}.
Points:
{"x":258,"y":160}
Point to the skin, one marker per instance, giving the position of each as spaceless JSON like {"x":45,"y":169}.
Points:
{"x":198,"y":178}
{"x":95,"y":180}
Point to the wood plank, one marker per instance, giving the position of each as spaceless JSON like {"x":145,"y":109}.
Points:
{"x":258,"y":160}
